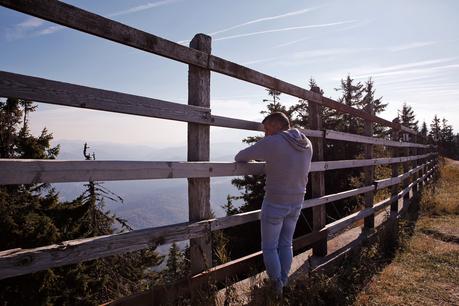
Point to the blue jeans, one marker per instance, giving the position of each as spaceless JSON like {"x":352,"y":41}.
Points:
{"x":278,"y":222}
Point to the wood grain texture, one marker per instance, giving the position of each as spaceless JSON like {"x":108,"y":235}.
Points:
{"x":32,"y":171}
{"x":395,"y":152}
{"x":406,"y":167}
{"x":317,"y":178}
{"x":24,"y":261}
{"x":391,"y":181}
{"x":336,"y":135}
{"x":199,"y":150}
{"x":60,"y":93}
{"x":369,"y":221}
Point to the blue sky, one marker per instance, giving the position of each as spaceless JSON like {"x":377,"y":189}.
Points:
{"x":410,"y":48}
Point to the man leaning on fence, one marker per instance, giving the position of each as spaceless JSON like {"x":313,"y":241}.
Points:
{"x":288,"y":154}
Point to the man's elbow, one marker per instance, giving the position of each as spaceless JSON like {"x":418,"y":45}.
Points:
{"x":240,"y":158}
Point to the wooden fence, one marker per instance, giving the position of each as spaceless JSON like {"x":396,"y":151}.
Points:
{"x":418,"y":158}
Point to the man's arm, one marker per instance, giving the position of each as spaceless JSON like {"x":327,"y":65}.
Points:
{"x":258,"y":151}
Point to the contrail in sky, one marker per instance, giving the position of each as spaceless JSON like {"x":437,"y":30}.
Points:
{"x":311,"y":26}
{"x":294,"y":13}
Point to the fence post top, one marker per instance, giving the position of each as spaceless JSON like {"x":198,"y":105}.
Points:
{"x":316,"y":89}
{"x":205,"y":36}
{"x":201,"y":42}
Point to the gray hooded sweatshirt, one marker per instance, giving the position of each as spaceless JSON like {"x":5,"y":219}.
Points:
{"x":288,"y":157}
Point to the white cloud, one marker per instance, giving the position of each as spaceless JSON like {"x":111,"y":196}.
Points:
{"x":24,"y":28}
{"x":259,"y":61}
{"x":50,"y":30}
{"x":292,"y":42}
{"x":142,"y":7}
{"x":411,"y":46}
{"x":355,"y":25}
{"x":426,"y":70}
{"x":364,"y":72}
{"x":328,"y":52}
{"x":302,"y":57}
{"x":33,"y":26}
{"x":31,"y":22}
{"x":289,"y":14}
{"x":311,"y":26}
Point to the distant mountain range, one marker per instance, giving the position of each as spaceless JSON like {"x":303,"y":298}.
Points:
{"x":149,"y":203}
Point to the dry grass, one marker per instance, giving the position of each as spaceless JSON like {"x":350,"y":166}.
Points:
{"x":427,"y":271}
{"x":444,"y":199}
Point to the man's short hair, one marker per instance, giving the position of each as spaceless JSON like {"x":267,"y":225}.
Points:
{"x":279,"y":118}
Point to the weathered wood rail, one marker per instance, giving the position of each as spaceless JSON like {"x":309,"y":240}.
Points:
{"x":198,"y":169}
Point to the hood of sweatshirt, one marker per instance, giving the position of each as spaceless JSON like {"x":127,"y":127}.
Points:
{"x":296,"y":139}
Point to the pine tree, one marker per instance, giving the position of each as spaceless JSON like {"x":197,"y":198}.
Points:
{"x":175,"y":265}
{"x":378,"y":106}
{"x":299,"y":113}
{"x":424,"y":131}
{"x":407,"y":117}
{"x":435,"y":130}
{"x":446,"y":139}
{"x":229,"y":207}
{"x":274,"y":105}
{"x":352,"y":94}
{"x":33,"y":215}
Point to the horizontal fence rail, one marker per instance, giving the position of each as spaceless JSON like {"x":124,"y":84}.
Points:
{"x":79,"y":19}
{"x":23,"y":261}
{"x":60,"y":93}
{"x":30,"y":171}
{"x":341,"y":224}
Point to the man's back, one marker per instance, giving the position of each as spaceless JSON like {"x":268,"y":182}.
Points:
{"x":288,"y":157}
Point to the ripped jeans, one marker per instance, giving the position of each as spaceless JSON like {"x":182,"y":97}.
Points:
{"x":278,"y":222}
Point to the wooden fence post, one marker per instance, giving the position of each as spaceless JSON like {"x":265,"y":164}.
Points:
{"x":317,"y":178}
{"x":415,"y":164}
{"x":198,"y":150}
{"x":421,"y":151}
{"x":395,"y":153}
{"x":369,"y":222}
{"x":406,"y":168}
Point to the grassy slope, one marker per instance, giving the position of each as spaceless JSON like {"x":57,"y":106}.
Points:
{"x":426,"y":271}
